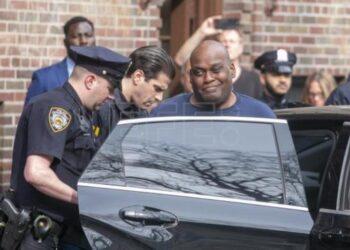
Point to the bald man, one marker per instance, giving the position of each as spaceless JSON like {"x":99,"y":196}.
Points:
{"x":245,"y":81}
{"x":211,"y":77}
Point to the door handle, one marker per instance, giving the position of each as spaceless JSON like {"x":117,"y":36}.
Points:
{"x":147,"y":216}
{"x":339,"y":235}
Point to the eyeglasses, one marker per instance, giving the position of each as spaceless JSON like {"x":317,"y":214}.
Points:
{"x":315,"y":95}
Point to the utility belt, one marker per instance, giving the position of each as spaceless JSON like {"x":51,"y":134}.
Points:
{"x":16,"y":223}
{"x":44,"y":226}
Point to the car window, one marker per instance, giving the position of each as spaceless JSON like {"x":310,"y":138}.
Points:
{"x":345,"y":189}
{"x":314,"y":150}
{"x":216,"y":158}
{"x":343,"y":199}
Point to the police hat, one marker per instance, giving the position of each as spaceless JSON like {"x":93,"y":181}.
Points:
{"x":101,"y":61}
{"x":279,"y":61}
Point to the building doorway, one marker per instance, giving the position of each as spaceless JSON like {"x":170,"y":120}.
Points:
{"x":180,"y":19}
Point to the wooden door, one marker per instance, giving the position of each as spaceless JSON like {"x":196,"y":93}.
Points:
{"x":183,"y":17}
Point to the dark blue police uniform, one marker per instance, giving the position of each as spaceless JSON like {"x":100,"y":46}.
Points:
{"x":279,"y":62}
{"x":275,"y":102}
{"x":56,"y":124}
{"x":114,"y":111}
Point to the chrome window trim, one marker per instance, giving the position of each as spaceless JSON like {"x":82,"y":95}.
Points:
{"x":331,"y":211}
{"x":188,"y":195}
{"x":201,"y":118}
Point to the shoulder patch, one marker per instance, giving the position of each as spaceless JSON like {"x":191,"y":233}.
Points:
{"x":59,"y":119}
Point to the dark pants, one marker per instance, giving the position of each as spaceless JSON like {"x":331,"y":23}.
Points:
{"x":29,"y":243}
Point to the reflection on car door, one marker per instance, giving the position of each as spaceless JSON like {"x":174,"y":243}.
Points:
{"x":195,"y":183}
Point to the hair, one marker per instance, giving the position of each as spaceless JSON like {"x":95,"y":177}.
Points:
{"x":74,"y":20}
{"x":152,"y":60}
{"x":325,"y":80}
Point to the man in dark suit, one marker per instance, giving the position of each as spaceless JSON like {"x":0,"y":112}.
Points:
{"x":78,"y":31}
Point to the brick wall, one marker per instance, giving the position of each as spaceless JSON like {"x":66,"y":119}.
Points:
{"x":31,"y":37}
{"x":318,"y":31}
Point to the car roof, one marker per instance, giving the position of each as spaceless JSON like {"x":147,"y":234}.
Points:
{"x":315,"y":113}
{"x":200,"y":118}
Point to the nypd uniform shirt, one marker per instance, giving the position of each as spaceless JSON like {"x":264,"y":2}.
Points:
{"x":53,"y":124}
{"x":111,"y":112}
{"x":275,"y":102}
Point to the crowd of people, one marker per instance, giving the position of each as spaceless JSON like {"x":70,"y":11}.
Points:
{"x":72,"y":106}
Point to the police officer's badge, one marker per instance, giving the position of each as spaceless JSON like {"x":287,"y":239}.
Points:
{"x":59,"y":119}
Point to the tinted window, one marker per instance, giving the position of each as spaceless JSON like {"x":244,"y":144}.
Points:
{"x":314,"y":149}
{"x":227,"y":159}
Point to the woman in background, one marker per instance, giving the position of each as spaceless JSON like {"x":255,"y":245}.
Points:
{"x":318,"y":87}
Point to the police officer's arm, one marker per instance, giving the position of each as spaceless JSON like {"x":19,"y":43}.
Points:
{"x":38,"y":173}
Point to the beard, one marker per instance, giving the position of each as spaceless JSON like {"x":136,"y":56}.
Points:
{"x":272,"y":91}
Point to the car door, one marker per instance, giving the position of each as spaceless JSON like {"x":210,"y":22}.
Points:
{"x":195,"y":183}
{"x":332,"y":225}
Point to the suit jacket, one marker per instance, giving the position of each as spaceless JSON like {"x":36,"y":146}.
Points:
{"x":46,"y":79}
{"x":341,"y":95}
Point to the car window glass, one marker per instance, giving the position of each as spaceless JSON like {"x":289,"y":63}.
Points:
{"x":314,"y":149}
{"x":345,"y":203}
{"x":226,"y":159}
{"x":107,"y":165}
{"x":343,"y":199}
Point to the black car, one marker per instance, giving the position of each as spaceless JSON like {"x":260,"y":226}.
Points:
{"x":221,"y":183}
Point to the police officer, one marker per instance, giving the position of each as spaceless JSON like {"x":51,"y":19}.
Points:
{"x":55,"y":142}
{"x":143,"y":86}
{"x":276,"y":75}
